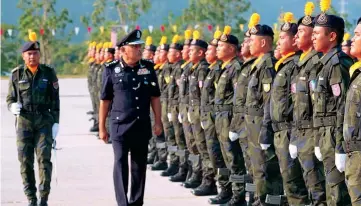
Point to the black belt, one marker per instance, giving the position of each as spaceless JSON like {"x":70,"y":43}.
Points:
{"x":351,"y":146}
{"x":304,"y":124}
{"x":238,"y":109}
{"x":324,"y":121}
{"x":208,"y":108}
{"x":222,"y":108}
{"x":280,"y":126}
{"x":255,"y":112}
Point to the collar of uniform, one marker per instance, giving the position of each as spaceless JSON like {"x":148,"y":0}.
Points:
{"x":330,"y":54}
{"x":288,"y":57}
{"x":211,"y":66}
{"x":308,"y":56}
{"x":125,"y":65}
{"x":263,"y":59}
{"x":249,"y":61}
{"x":40,"y":67}
{"x":354,"y":67}
{"x":199,"y":63}
{"x":185,"y":64}
{"x":227,"y":63}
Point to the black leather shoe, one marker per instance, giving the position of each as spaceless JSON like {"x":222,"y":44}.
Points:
{"x":158,"y":166}
{"x":205,"y":190}
{"x":172,"y":170}
{"x":94,"y":128}
{"x":179,"y":177}
{"x":90,"y":112}
{"x":150,"y":161}
{"x":222,"y":198}
{"x":33,"y":202}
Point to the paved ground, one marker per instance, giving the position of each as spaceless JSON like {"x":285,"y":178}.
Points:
{"x":84,"y":163}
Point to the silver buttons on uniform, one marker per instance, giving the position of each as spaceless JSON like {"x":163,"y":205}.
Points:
{"x":133,"y":79}
{"x":136,"y":98}
{"x":137,"y":107}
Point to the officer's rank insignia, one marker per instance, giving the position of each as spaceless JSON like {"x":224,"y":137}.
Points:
{"x":293,"y":88}
{"x":266,"y":87}
{"x":143,"y":72}
{"x":138,"y":34}
{"x":336,"y":90}
{"x":117,"y":69}
{"x":153,"y":83}
{"x":55,"y":85}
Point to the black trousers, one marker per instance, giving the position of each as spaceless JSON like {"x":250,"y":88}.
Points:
{"x":134,"y":140}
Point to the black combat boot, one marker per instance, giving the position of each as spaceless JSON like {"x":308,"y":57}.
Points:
{"x":172,"y":170}
{"x":237,"y":201}
{"x":205,"y":189}
{"x":33,"y":202}
{"x":194,"y":181}
{"x":222,"y":198}
{"x":180,"y":176}
{"x":43,"y":201}
{"x":158,"y":166}
{"x":90,"y":112}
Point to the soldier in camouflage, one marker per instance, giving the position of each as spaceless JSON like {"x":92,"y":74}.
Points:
{"x":33,"y":96}
{"x":302,"y":141}
{"x":352,"y":123}
{"x":258,"y":120}
{"x":329,"y":97}
{"x":91,"y":60}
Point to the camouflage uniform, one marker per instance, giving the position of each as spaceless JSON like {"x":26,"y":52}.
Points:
{"x":302,"y":135}
{"x":259,"y":129}
{"x":173,"y":108}
{"x":352,"y":136}
{"x":223,"y":104}
{"x":187,"y":128}
{"x":281,"y":111}
{"x":238,"y":125}
{"x":208,"y":118}
{"x":39,"y":96}
{"x":90,"y":83}
{"x":96,"y":91}
{"x":328,"y":113}
{"x":163,"y":80}
{"x":196,"y":78}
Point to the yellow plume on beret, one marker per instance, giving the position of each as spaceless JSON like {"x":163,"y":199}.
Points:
{"x":217,"y":34}
{"x":227,"y":30}
{"x":346,"y":37}
{"x":196,"y":35}
{"x":288,"y":17}
{"x":32,"y":36}
{"x":163,"y":40}
{"x":254,"y":20}
{"x":309,"y":8}
{"x":187,"y":34}
{"x":325,"y":5}
{"x":175,"y":39}
{"x":148,"y":41}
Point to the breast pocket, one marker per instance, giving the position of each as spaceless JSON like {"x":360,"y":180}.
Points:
{"x":242,"y":86}
{"x":320,"y":96}
{"x":121,"y":83}
{"x":24,"y":86}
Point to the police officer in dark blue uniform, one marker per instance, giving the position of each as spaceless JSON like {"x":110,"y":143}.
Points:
{"x":130,"y":87}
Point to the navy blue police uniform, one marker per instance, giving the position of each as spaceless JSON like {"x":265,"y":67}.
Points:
{"x":130,"y":90}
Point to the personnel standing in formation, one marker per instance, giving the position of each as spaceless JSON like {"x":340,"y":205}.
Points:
{"x":33,"y":96}
{"x":130,"y":87}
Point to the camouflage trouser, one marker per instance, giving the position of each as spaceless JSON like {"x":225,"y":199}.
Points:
{"x":35,"y":133}
{"x":232,"y":152}
{"x":264,"y":162}
{"x":238,"y":125}
{"x":152,"y":149}
{"x":198,"y":134}
{"x":91,"y":87}
{"x":169,"y":133}
{"x":312,"y":168}
{"x":353,"y":176}
{"x":180,"y":139}
{"x":213,"y":145}
{"x":190,"y":141}
{"x":293,"y":183}
{"x":336,"y":189}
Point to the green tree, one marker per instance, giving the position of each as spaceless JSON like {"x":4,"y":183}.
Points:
{"x":41,"y":17}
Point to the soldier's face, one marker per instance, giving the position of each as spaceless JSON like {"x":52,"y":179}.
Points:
{"x":195,"y":54}
{"x":116,"y":54}
{"x":285,"y":43}
{"x":185,"y":52}
{"x":211,"y":54}
{"x":304,"y":37}
{"x":147,"y":54}
{"x":255,"y":45}
{"x":173,"y":55}
{"x":101,"y":55}
{"x":224,"y":50}
{"x":322,"y":39}
{"x":277,"y":53}
{"x":163,"y":56}
{"x":156,"y":57}
{"x":356,"y":43}
{"x":31,"y":58}
{"x":133,"y":53}
{"x":245,"y":52}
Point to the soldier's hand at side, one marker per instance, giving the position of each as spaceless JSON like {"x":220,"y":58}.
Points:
{"x":15,"y":108}
{"x":157,"y":128}
{"x":103,"y":135}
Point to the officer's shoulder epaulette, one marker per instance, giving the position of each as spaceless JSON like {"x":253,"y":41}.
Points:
{"x":47,"y":66}
{"x":270,"y":62}
{"x":16,"y":68}
{"x":112,"y":63}
{"x":316,"y":59}
{"x":335,"y":60}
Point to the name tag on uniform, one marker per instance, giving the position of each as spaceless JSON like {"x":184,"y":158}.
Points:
{"x":143,"y":72}
{"x":45,"y":80}
{"x":22,"y":81}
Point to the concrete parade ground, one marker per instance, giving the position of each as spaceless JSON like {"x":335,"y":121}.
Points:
{"x":85,"y":164}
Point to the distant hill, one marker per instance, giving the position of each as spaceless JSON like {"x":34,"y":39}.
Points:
{"x":268,"y":9}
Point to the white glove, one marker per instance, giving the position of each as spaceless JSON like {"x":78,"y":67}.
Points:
{"x":15,"y":108}
{"x":340,"y":161}
{"x":180,"y":118}
{"x":233,"y":136}
{"x":169,"y":117}
{"x":202,"y":125}
{"x":265,"y":146}
{"x":293,"y":151}
{"x":55,"y":130}
{"x":189,"y":117}
{"x":318,"y":153}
